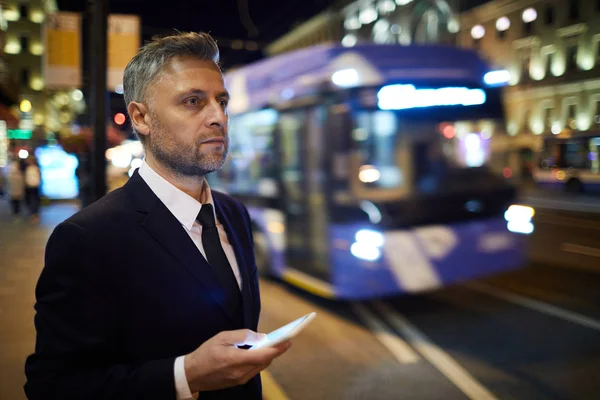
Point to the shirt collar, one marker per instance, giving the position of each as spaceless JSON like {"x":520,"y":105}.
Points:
{"x":183,"y":206}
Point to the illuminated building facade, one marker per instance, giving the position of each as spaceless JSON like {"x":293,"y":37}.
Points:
{"x":550,"y":47}
{"x":24,"y":49}
{"x":400,"y":21}
{"x":8,"y":96}
{"x":380,"y":21}
{"x":8,"y":90}
{"x":42,"y":112}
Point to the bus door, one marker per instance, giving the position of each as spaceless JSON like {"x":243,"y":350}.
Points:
{"x":303,"y":182}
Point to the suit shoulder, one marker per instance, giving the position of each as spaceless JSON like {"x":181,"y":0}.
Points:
{"x":228,"y":201}
{"x":111,"y":205}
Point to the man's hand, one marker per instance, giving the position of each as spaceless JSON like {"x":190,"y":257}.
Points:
{"x":219,"y":364}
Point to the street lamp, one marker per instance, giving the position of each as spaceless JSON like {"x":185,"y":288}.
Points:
{"x":529,"y":15}
{"x":502,"y":24}
{"x":477,"y":32}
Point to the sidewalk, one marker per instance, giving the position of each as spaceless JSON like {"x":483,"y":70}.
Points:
{"x":21,"y":260}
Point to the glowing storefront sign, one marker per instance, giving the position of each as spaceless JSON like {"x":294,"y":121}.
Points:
{"x":58,"y":172}
{"x":23,"y":134}
{"x":402,"y":97}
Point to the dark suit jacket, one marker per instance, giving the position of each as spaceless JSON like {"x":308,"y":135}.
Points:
{"x":125,"y":291}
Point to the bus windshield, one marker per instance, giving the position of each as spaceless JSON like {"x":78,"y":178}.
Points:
{"x":382,"y":139}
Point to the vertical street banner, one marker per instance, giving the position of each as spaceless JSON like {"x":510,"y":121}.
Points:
{"x":62,"y":55}
{"x":123,"y":43}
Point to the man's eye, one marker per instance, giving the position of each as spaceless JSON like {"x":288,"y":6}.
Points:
{"x":192,"y":102}
{"x":224,"y":103}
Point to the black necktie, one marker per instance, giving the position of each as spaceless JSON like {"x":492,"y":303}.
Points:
{"x":215,"y":255}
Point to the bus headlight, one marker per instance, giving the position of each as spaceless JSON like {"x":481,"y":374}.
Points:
{"x":365,"y":252}
{"x":369,"y":237}
{"x":346,"y":78}
{"x":519,"y":218}
{"x":368,"y":245}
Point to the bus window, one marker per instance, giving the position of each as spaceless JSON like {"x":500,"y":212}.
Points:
{"x":430,"y":165}
{"x":252,"y":166}
{"x":376,"y":140}
{"x":302,"y":166}
{"x":576,"y":154}
{"x":551,"y":155}
{"x":290,"y":125}
{"x":594,"y":155}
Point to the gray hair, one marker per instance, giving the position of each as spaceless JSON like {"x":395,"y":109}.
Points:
{"x":147,"y":65}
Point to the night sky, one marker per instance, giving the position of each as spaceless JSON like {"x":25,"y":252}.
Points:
{"x":270,"y":19}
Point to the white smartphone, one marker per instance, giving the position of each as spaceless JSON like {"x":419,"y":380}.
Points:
{"x":285,"y":332}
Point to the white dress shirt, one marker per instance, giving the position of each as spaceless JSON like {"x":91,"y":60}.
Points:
{"x":185,"y":208}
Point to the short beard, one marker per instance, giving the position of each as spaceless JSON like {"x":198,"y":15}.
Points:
{"x":180,"y":160}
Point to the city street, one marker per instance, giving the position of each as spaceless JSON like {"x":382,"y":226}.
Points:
{"x":380,"y":146}
{"x":533,"y":333}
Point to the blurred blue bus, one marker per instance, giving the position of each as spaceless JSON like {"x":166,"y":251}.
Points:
{"x":569,"y":162}
{"x":364,"y":169}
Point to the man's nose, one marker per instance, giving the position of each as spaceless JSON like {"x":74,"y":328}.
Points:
{"x":216,"y":116}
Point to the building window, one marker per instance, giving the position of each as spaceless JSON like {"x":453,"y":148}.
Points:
{"x":571,"y":57}
{"x":547,"y":115}
{"x":571,"y":116}
{"x":25,"y":77}
{"x":525,"y":125}
{"x":550,"y":15}
{"x":527,"y":28}
{"x":23,"y":10}
{"x":549,"y":65}
{"x":597,"y":114}
{"x":24,"y":39}
{"x":573,"y":10}
{"x":525,"y":66}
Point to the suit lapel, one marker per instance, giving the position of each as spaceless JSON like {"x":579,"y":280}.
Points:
{"x":225,"y":219}
{"x":167,"y":231}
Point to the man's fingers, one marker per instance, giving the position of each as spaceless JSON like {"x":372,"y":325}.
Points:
{"x":255,"y":338}
{"x":283,"y":347}
{"x":266,"y":354}
{"x":241,"y":337}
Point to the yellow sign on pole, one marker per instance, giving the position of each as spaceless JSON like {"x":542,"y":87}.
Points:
{"x":62,"y":58}
{"x":123,"y":43}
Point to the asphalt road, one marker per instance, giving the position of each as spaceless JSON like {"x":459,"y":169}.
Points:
{"x":566,"y":238}
{"x":528,"y":334}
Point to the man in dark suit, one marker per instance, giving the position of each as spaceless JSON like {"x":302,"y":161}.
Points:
{"x":147,"y":293}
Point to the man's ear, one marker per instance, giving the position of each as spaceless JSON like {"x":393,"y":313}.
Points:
{"x":139,"y":113}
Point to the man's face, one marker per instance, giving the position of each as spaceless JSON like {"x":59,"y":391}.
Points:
{"x":188,"y":117}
